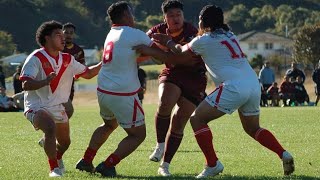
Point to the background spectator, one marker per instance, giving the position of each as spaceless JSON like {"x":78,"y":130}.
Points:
{"x":294,"y":72}
{"x":18,"y":100}
{"x":2,"y":78}
{"x":316,"y":80}
{"x":273,"y":93}
{"x":142,"y":78}
{"x":300,"y":92}
{"x":266,"y":76}
{"x":17,"y":83}
{"x":6,"y":103}
{"x":286,"y":91}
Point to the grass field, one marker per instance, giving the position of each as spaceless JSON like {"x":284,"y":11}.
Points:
{"x":297,"y":128}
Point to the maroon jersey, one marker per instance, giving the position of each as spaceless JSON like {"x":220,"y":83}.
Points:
{"x":75,"y":51}
{"x":286,"y":87}
{"x":192,"y":80}
{"x":273,"y":90}
{"x":186,"y":35}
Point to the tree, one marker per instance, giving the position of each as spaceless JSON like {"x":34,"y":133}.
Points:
{"x":7,"y":46}
{"x":257,"y":61}
{"x":306,"y":45}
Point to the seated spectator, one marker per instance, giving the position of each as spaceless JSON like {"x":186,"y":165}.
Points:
{"x":18,"y":100}
{"x":300,"y":92}
{"x":286,"y":91}
{"x":6,"y":103}
{"x":273,"y":94}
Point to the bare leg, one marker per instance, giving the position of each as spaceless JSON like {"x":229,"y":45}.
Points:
{"x":101,"y":134}
{"x":136,"y":136}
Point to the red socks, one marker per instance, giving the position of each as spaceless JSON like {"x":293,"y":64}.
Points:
{"x":53,"y":163}
{"x":266,"y":138}
{"x":112,"y":160}
{"x":204,"y":139}
{"x":59,"y":155}
{"x":89,"y":155}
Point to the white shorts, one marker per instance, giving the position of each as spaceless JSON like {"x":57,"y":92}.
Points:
{"x":232,"y":96}
{"x":126,"y":109}
{"x":57,"y":113}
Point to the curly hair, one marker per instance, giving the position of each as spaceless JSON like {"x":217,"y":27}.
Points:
{"x":171,"y":4}
{"x":46,"y":29}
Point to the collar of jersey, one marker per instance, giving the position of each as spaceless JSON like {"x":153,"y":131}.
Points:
{"x":117,"y":25}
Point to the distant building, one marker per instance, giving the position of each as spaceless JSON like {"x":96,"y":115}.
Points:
{"x":265,"y":44}
{"x":15,"y":59}
{"x":91,"y":56}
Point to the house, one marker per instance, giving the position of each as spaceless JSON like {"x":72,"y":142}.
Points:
{"x":15,"y":59}
{"x":91,"y":56}
{"x":265,"y":44}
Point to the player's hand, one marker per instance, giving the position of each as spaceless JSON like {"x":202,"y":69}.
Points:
{"x":50,"y":77}
{"x":161,"y":38}
{"x":141,"y":49}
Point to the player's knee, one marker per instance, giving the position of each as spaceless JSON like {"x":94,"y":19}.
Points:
{"x":140,"y":136}
{"x":165,"y":108}
{"x":50,"y":128}
{"x":110,"y":126}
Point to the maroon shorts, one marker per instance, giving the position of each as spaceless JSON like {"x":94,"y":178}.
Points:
{"x":192,"y":83}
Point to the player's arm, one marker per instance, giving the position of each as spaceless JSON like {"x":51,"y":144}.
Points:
{"x":29,"y":84}
{"x":91,"y":71}
{"x":185,"y":57}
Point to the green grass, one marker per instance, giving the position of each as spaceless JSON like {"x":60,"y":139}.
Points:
{"x":297,"y":128}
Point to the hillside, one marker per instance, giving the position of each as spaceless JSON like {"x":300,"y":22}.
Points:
{"x":20,"y":18}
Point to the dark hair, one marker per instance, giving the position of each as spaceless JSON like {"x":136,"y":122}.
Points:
{"x":69,"y":25}
{"x":212,"y":18}
{"x":116,"y":11}
{"x":46,"y":29}
{"x":171,"y":4}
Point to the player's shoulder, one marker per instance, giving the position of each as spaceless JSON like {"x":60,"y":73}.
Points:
{"x":159,"y":28}
{"x":190,"y":27}
{"x":133,"y":30}
{"x":34,"y":55}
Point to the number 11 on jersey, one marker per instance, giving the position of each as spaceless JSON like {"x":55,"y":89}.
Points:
{"x":234,"y":55}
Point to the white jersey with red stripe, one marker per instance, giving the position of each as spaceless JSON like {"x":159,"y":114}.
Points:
{"x":119,"y":72}
{"x":223,"y":57}
{"x":37,"y":66}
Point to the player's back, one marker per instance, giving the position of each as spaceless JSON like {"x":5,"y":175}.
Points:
{"x":119,"y":70}
{"x":224,"y":58}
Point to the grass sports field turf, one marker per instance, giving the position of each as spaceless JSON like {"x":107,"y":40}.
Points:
{"x":297,"y":128}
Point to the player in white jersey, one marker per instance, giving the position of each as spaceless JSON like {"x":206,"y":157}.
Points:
{"x":47,"y":76}
{"x":118,"y":85}
{"x":238,"y":86}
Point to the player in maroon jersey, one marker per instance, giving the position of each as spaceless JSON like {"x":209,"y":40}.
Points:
{"x":78,"y":53}
{"x":181,"y":86}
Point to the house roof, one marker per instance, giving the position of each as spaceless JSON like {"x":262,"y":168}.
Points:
{"x":256,"y":36}
{"x":15,"y":58}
